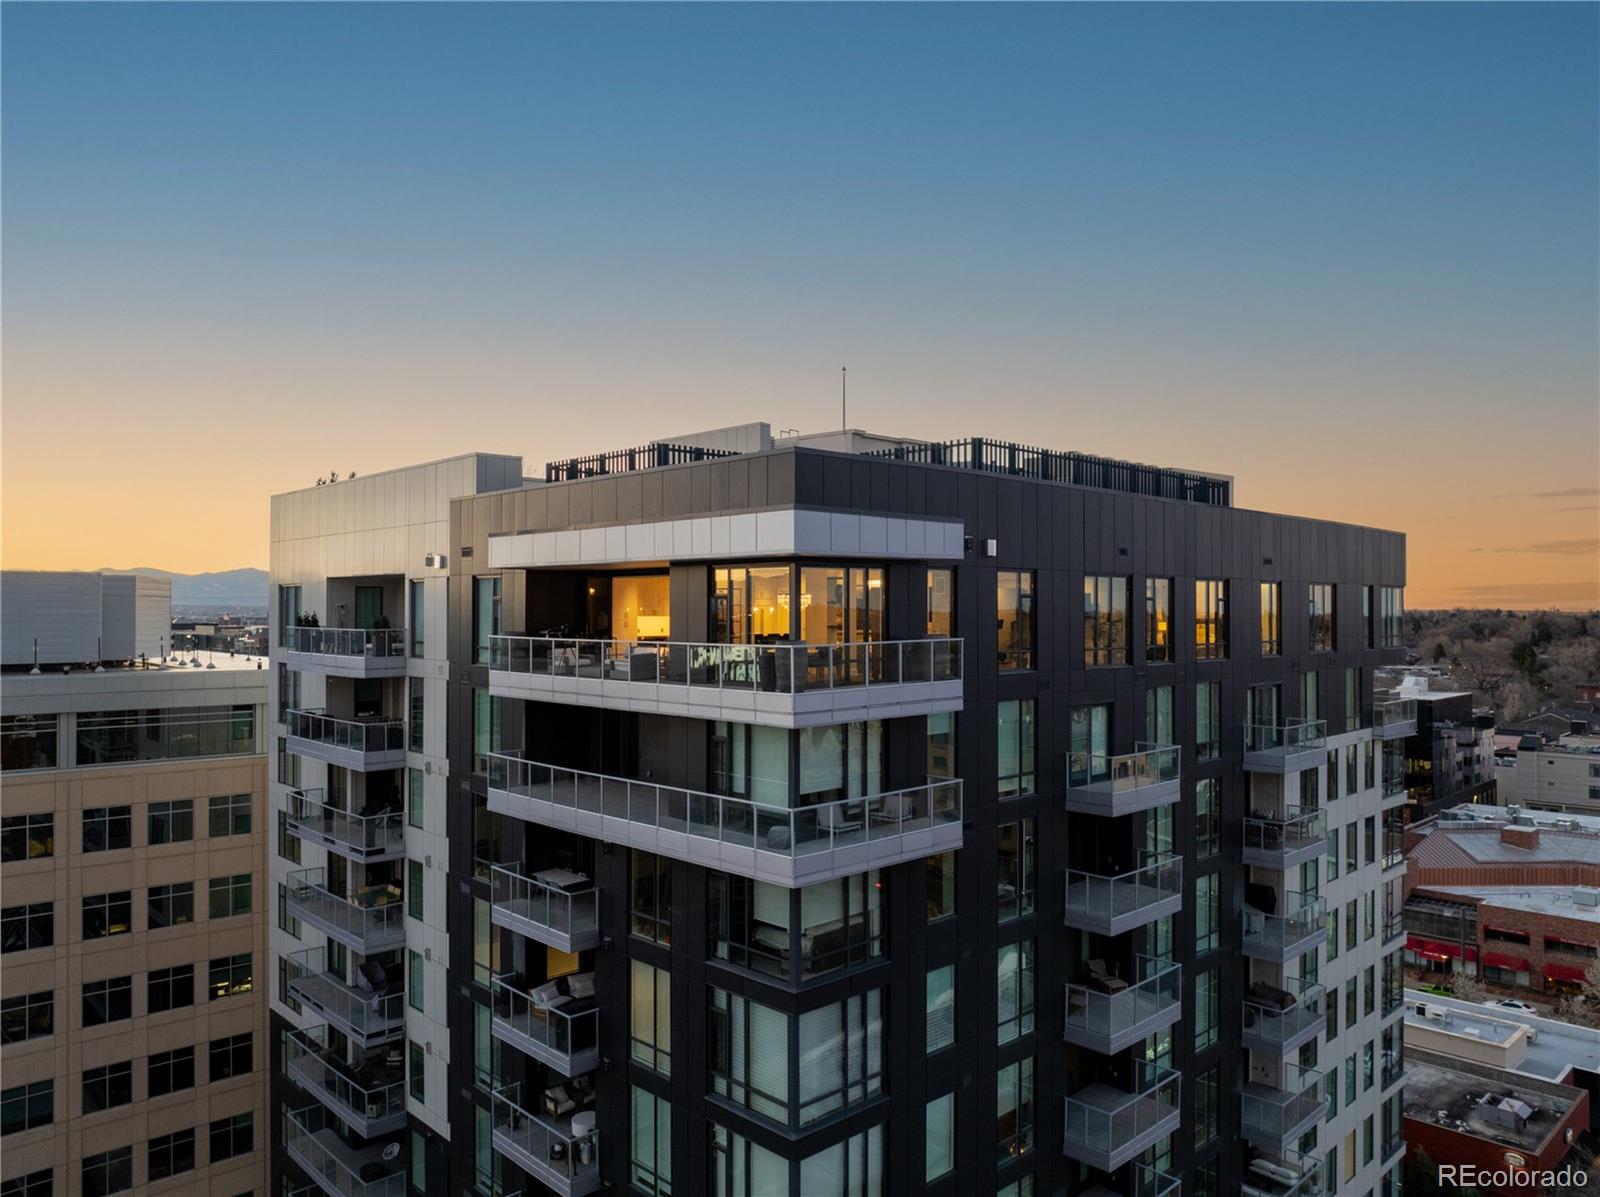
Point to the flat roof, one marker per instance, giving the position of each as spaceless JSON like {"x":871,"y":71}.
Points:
{"x":1557,"y":1048}
{"x":1469,"y":1024}
{"x":1439,"y":1094}
{"x":1536,"y":899}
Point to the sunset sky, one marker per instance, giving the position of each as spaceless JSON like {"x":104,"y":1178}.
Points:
{"x":1345,"y":253}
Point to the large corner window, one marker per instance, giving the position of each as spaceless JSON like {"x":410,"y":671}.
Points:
{"x":485,"y":616}
{"x":1014,"y":618}
{"x":1105,"y":621}
{"x":1210,"y":619}
{"x":1319,"y":605}
{"x":796,"y":935}
{"x":1271,"y":619}
{"x":1158,"y":619}
{"x":1391,"y":616}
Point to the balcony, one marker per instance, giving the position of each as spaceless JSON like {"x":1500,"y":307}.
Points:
{"x":1107,"y":1014}
{"x":1285,"y":841}
{"x":1288,"y":1174}
{"x":1278,"y":1021}
{"x":777,"y":685}
{"x":1112,"y":786}
{"x":1394,"y":718}
{"x":367,"y":745}
{"x":346,"y":652}
{"x":370,"y":920}
{"x":1106,"y":1127}
{"x":561,"y":1153}
{"x":1394,"y":931}
{"x":369,"y":1097}
{"x":1284,"y":937}
{"x":1394,"y":787}
{"x":563,"y":1036}
{"x":554,"y":907}
{"x":1274,"y":1115}
{"x":334,"y":1166}
{"x":367,"y":1016}
{"x":361,"y":838}
{"x":1394,"y":1146}
{"x":1114,"y":905}
{"x":1147,"y":1181}
{"x":788,"y":846}
{"x":1394,"y":838}
{"x":1394,"y":1067}
{"x":1285,"y":748}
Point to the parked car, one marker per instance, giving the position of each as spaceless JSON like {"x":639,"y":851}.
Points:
{"x":1514,"y":1004}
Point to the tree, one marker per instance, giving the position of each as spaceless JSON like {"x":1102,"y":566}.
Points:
{"x":1583,"y":1009}
{"x":1438,"y":652}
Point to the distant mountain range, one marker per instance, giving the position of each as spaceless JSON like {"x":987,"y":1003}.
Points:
{"x":223,"y":588}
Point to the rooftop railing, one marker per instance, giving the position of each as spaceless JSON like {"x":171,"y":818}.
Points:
{"x":622,"y":461}
{"x":346,"y":642}
{"x":1394,"y":717}
{"x":371,"y":733}
{"x":775,"y":668}
{"x":790,"y":831}
{"x":358,"y":836}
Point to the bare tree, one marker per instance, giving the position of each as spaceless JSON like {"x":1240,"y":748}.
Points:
{"x":1583,"y":1008}
{"x":1468,"y":989}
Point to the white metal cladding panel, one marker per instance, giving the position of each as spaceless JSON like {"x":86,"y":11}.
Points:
{"x":61,"y":609}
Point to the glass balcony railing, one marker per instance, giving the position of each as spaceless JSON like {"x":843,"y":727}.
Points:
{"x":1146,"y":1180}
{"x":563,"y":911}
{"x":1283,"y":1174}
{"x":781,"y":668}
{"x":1280,"y":1020}
{"x":1283,"y":936}
{"x":849,"y":834}
{"x":559,"y":1152}
{"x":1107,"y":1013}
{"x":1112,"y":905}
{"x":1283,"y":841}
{"x":1394,"y":1066}
{"x":346,"y":642}
{"x":1124,"y":783}
{"x":337,"y":1168}
{"x":1278,"y":747}
{"x":370,"y":920}
{"x":565,"y":1038}
{"x":1393,"y":991}
{"x":1394,"y":717}
{"x":369,"y":1096}
{"x":360,"y":837}
{"x":1107,"y":1127}
{"x":1280,"y":1111}
{"x":364,"y":1014}
{"x":372,"y":733}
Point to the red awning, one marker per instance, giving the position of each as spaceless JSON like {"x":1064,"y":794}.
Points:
{"x":1434,"y":950}
{"x":1499,"y":960}
{"x":1562,"y":972}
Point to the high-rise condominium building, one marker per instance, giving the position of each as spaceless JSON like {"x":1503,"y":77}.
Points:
{"x":133,"y":899}
{"x":835,"y":816}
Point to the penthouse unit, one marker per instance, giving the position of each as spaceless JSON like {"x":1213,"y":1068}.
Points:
{"x":133,"y":1026}
{"x":1447,"y":758}
{"x":752,"y":768}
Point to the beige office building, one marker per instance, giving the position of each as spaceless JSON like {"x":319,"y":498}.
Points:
{"x":135,"y":912}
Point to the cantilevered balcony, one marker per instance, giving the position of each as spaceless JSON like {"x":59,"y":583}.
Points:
{"x":1285,"y":748}
{"x":1275,"y":1112}
{"x":1107,"y":1014}
{"x":1143,"y":1180}
{"x":1284,"y":841}
{"x":554,"y":1151}
{"x":367,"y":1016}
{"x":1106,"y":1127}
{"x":1394,"y":718}
{"x":1113,"y":905}
{"x":367,"y":745}
{"x":334,"y":1166}
{"x":370,"y":1098}
{"x":789,"y":846}
{"x":1286,"y":936}
{"x":1125,"y":784}
{"x":346,"y":652}
{"x":369,"y":920}
{"x":564,"y":1035}
{"x":1283,"y":1174}
{"x":357,"y":837}
{"x":777,"y":685}
{"x":1279,"y":1020}
{"x":554,"y":907}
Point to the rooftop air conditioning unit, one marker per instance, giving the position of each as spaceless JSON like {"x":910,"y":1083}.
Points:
{"x":1585,"y":895}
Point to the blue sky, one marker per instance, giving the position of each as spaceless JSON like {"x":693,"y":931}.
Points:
{"x":1214,"y":236}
